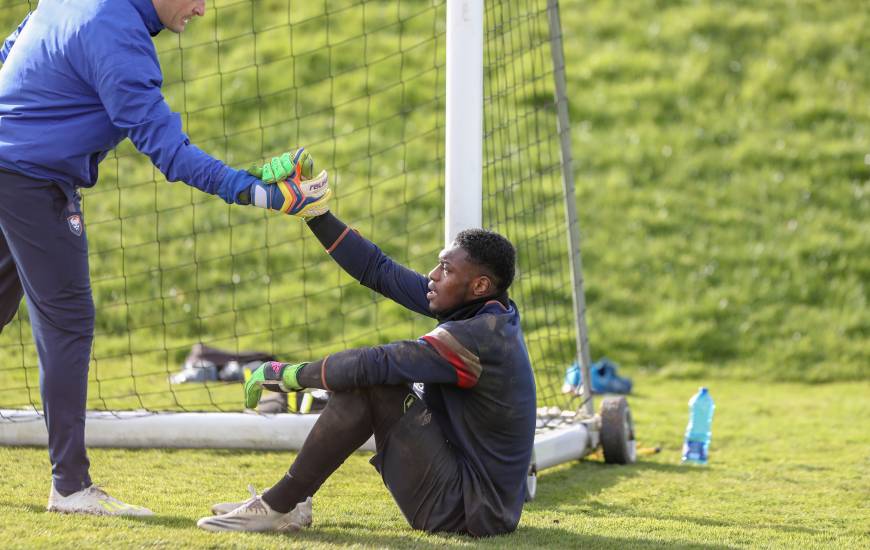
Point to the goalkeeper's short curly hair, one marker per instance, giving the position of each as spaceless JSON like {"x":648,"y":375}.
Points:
{"x":493,"y":252}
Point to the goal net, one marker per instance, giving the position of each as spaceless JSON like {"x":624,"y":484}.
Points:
{"x":361,"y":84}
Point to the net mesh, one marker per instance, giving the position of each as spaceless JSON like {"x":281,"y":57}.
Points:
{"x":361,"y":85}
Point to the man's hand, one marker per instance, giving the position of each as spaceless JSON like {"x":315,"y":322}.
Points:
{"x":273,"y":376}
{"x":290,"y":187}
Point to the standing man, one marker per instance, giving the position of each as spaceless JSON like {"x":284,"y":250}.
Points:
{"x":77,"y":77}
{"x":455,"y":456}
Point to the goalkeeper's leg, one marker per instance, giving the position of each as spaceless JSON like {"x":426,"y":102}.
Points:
{"x":347,"y":421}
{"x":417,"y":464}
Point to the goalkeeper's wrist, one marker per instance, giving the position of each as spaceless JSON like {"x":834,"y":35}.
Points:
{"x":289,"y":377}
{"x":327,"y":228}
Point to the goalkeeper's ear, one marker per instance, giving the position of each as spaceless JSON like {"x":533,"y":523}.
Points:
{"x":483,"y":285}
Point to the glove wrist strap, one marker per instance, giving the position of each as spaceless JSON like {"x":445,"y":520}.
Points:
{"x":289,"y":376}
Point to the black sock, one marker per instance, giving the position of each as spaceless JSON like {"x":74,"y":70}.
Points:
{"x":286,"y":494}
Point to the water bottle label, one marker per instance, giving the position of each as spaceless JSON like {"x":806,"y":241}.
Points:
{"x":694,"y":450}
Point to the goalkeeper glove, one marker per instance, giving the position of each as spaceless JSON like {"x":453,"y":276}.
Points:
{"x":288,"y":186}
{"x":273,"y":376}
{"x":285,"y":167}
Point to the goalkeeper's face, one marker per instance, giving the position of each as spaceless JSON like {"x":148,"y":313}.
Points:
{"x":175,"y":14}
{"x":456,"y":280}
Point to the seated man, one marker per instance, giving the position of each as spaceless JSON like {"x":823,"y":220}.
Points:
{"x":455,"y":456}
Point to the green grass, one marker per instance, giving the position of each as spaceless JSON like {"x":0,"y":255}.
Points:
{"x":723,"y":183}
{"x":788,"y":469}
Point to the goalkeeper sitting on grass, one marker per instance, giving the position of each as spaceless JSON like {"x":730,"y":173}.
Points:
{"x":455,"y":455}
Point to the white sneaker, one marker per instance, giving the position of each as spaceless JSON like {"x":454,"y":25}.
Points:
{"x":92,"y":500}
{"x":255,"y":515}
{"x":227,"y":507}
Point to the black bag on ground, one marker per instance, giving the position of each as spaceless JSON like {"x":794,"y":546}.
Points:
{"x":205,"y":363}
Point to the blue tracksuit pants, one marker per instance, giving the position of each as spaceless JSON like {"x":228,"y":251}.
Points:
{"x":44,"y":255}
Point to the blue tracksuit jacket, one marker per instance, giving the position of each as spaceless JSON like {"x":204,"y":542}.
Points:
{"x":79,"y":76}
{"x":477,"y":376}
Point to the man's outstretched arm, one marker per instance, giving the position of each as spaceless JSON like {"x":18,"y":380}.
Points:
{"x":123,"y":67}
{"x":366,"y":263}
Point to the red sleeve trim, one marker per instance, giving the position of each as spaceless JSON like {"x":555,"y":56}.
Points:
{"x":464,"y":362}
{"x":338,"y":240}
{"x":323,"y":373}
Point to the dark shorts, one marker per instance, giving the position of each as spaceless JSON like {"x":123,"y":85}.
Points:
{"x":420,"y":468}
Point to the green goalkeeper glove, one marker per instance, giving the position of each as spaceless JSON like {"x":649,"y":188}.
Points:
{"x":285,"y":167}
{"x":273,"y":376}
{"x":289,"y":185}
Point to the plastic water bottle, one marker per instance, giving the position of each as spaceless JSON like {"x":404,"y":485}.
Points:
{"x":699,"y":431}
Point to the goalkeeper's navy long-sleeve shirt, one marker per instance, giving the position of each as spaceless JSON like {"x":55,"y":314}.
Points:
{"x":79,"y":76}
{"x":477,"y":377}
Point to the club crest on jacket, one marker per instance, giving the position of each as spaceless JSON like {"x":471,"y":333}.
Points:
{"x":75,"y":224}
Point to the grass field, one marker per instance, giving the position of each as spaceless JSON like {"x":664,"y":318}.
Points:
{"x":722,"y":163}
{"x":789,"y":468}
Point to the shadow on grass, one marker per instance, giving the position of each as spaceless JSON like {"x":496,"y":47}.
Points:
{"x":587,"y":478}
{"x":525,"y":537}
{"x":556,"y":537}
{"x":601,"y":510}
{"x":348,"y":533}
{"x":344,"y":533}
{"x":161,"y":520}
{"x":584,"y":479}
